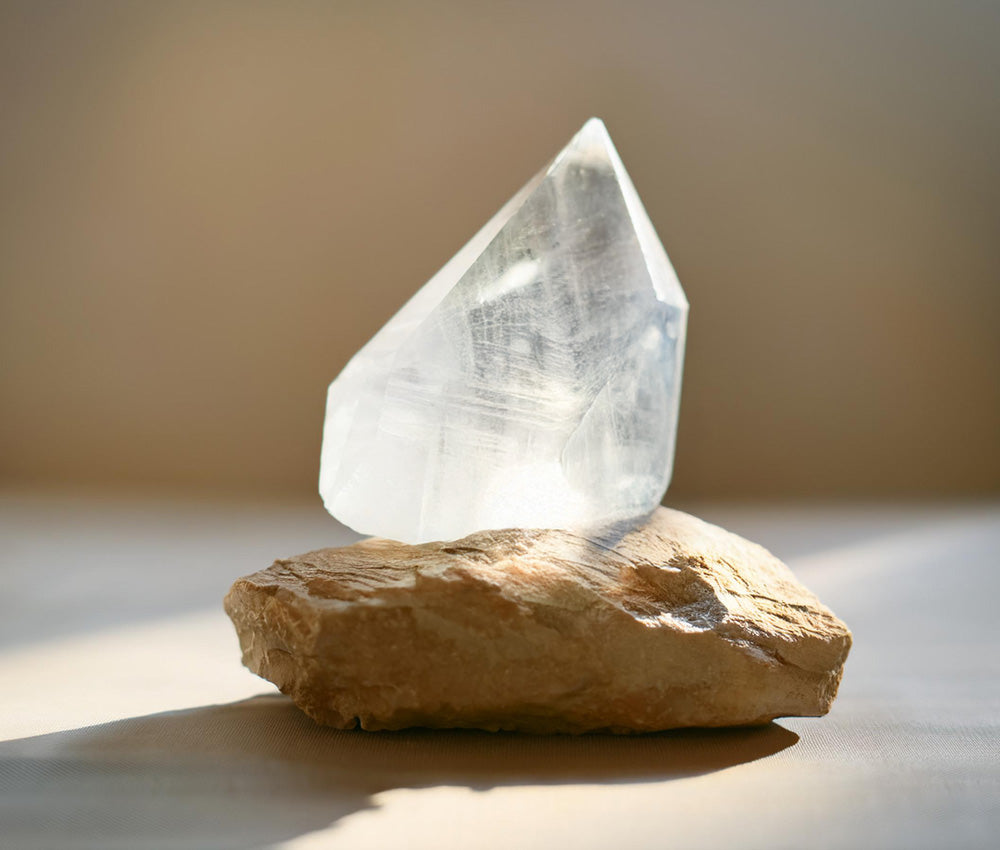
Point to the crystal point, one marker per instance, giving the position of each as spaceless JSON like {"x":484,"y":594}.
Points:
{"x":533,"y":382}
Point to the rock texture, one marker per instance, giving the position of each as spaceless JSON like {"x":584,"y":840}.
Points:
{"x":675,"y":623}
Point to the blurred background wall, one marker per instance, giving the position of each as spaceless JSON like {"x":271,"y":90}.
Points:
{"x":205,"y":209}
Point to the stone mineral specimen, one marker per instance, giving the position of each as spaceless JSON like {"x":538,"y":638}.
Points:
{"x":677,"y":623}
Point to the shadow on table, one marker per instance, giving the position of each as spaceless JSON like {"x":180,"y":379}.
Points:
{"x":258,"y":772}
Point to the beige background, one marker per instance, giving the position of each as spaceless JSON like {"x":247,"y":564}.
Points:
{"x":206,"y":209}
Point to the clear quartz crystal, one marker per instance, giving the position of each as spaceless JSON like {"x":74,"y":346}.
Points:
{"x":533,"y":382}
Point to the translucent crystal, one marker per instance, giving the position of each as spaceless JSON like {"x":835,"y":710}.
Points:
{"x":533,"y":382}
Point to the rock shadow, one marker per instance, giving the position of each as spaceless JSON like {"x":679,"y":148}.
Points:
{"x":255,"y":773}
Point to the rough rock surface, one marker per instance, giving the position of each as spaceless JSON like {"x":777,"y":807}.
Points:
{"x":675,"y":623}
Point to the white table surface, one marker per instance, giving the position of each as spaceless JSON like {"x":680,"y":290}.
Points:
{"x":126,"y":720}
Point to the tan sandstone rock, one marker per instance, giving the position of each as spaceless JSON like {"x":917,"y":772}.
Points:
{"x":677,"y":623}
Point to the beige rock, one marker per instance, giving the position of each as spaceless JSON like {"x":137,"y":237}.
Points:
{"x":677,"y":623}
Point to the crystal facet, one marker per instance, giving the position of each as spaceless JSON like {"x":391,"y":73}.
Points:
{"x":533,"y":382}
